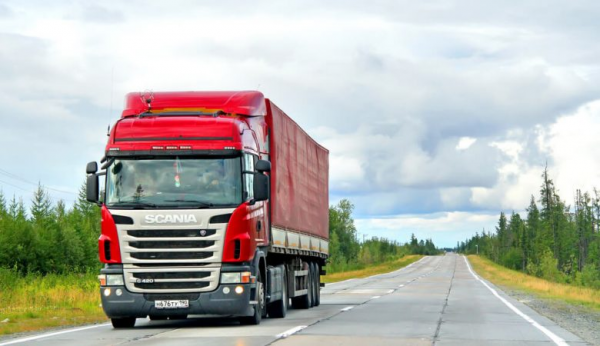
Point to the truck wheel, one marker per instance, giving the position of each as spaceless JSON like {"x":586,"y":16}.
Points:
{"x":259,"y":308}
{"x":317,"y":285}
{"x":305,"y":301}
{"x":278,"y":309}
{"x":127,"y":322}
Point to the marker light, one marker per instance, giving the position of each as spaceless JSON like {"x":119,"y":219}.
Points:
{"x":185,"y":147}
{"x":246,"y":277}
{"x":102,"y":279}
{"x":239,"y":289}
{"x":172,"y":147}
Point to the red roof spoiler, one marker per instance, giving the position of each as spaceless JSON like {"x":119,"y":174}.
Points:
{"x":250,"y":103}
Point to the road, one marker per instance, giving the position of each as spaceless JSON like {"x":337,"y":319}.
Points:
{"x":436,"y":301}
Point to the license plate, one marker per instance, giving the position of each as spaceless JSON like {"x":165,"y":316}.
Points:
{"x":172,"y":304}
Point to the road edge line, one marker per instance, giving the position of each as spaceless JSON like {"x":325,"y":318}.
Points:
{"x":555,"y":338}
{"x":31,"y":338}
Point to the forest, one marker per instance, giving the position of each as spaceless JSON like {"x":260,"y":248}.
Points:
{"x":50,"y":238}
{"x":554,"y":241}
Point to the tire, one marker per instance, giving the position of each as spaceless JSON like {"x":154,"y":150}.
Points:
{"x":259,"y":308}
{"x":305,"y":301}
{"x":317,"y":297}
{"x":279,"y":308}
{"x":127,"y":322}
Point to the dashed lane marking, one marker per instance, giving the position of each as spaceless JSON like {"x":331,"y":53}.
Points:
{"x":290,"y":332}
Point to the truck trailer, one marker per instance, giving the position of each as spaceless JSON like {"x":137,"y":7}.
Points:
{"x":213,"y":203}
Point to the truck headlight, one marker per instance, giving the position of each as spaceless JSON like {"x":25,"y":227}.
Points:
{"x":114,"y":280}
{"x":231,"y":278}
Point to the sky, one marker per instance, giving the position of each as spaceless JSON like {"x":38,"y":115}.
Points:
{"x":438,"y":114}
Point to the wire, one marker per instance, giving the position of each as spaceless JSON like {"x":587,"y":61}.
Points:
{"x":16,"y":177}
{"x":55,"y":199}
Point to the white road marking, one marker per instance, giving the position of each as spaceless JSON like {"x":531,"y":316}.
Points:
{"x":557,"y":340}
{"x":347,"y":308}
{"x":290,"y":332}
{"x":390,"y":291}
{"x":18,"y":341}
{"x":376,"y":297}
{"x":401,"y":286}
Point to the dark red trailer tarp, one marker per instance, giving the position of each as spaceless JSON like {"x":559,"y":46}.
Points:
{"x":299,"y":177}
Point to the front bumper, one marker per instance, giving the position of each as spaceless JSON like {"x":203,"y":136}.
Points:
{"x":209,"y":303}
{"x":216,"y":302}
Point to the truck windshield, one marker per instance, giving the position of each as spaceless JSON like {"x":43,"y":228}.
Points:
{"x":174,"y":182}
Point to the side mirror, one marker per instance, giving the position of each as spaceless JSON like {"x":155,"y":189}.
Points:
{"x":263,"y":166}
{"x":91,"y":167}
{"x":92,"y":188}
{"x":261,"y":187}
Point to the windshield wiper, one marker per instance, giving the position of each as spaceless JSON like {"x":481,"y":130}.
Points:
{"x":200,"y":204}
{"x":133,"y":204}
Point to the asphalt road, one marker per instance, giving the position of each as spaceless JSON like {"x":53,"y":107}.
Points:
{"x":436,"y":301}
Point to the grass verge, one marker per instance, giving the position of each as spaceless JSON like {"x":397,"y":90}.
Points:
{"x":372,"y":270}
{"x":513,"y":279}
{"x":38,"y":302}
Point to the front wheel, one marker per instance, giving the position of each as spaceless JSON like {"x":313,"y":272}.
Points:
{"x":259,"y":308}
{"x":127,"y":322}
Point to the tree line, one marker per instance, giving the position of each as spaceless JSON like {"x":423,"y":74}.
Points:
{"x":554,"y":241}
{"x":347,"y":252}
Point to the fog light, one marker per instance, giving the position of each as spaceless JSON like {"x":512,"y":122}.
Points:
{"x":239,"y":289}
{"x":226,"y":290}
{"x":119,"y":292}
{"x":107,"y":292}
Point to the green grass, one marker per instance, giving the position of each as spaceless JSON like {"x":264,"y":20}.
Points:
{"x":36,"y":302}
{"x":371,"y":270}
{"x":499,"y":275}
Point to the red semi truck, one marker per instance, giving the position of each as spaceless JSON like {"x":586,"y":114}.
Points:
{"x":214,"y":203}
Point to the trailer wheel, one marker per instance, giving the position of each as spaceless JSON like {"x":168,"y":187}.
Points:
{"x":278,"y":309}
{"x":317,"y":285}
{"x":305,"y":301}
{"x":127,"y":322}
{"x":259,"y":308}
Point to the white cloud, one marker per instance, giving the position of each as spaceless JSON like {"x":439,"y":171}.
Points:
{"x":465,"y":143}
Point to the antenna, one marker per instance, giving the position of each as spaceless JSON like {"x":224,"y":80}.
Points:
{"x":147,"y":97}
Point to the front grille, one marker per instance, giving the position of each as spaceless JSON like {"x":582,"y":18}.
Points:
{"x":172,"y":275}
{"x":171,"y":244}
{"x":172,"y":259}
{"x":170,"y":255}
{"x":170,"y":265}
{"x":171,"y":280}
{"x":171,"y":233}
{"x":172,"y":285}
